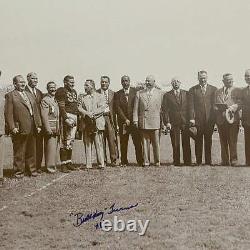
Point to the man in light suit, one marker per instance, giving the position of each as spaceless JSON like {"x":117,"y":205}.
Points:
{"x":23,"y":121}
{"x":50,"y":121}
{"x":175,"y":117}
{"x":201,"y":115}
{"x":38,"y":95}
{"x":147,"y":117}
{"x":246,"y":115}
{"x":124,"y":102}
{"x":228,"y":97}
{"x":110,"y":121}
{"x":91,"y":107}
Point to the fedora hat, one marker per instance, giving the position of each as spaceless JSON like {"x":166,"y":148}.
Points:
{"x":229,"y":116}
{"x":193,"y":132}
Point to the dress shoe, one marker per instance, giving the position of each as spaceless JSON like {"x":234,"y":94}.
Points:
{"x":64,"y":169}
{"x":234,"y":163}
{"x":39,"y":171}
{"x":71,"y":167}
{"x":34,"y":174}
{"x":51,"y":170}
{"x":19,"y":175}
{"x":89,"y":167}
{"x":123,"y":165}
{"x":158,"y":164}
{"x":82,"y":167}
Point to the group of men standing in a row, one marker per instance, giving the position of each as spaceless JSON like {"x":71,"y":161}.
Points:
{"x":34,"y":119}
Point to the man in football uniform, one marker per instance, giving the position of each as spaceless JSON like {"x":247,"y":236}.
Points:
{"x":67,"y":100}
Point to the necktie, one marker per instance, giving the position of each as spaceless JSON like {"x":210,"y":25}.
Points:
{"x":34,"y":93}
{"x":226,"y":94}
{"x":203,"y":89}
{"x":106,"y":97}
{"x":177,"y":95}
{"x":27,"y":101}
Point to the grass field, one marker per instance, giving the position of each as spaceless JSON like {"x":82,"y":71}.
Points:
{"x":188,"y":207}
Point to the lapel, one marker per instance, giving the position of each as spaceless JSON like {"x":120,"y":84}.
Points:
{"x":178,"y":102}
{"x":54,"y":103}
{"x":18,"y":95}
{"x":110,"y":96}
{"x":86,"y":102}
{"x":123,"y":97}
{"x":221,"y":95}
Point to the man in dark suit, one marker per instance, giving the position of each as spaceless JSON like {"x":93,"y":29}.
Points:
{"x":38,"y":95}
{"x":228,"y":98}
{"x":201,"y":112}
{"x":23,"y":121}
{"x":124,"y":102}
{"x":175,"y":116}
{"x":246,"y":115}
{"x":110,"y":121}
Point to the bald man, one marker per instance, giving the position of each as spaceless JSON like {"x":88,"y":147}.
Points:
{"x":23,"y":121}
{"x":228,"y":98}
{"x":38,"y":95}
{"x":246,"y":115}
{"x":201,"y":113}
{"x":175,"y":117}
{"x":124,"y":103}
{"x":147,"y":117}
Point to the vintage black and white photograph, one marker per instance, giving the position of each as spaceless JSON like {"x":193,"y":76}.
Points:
{"x":124,"y":124}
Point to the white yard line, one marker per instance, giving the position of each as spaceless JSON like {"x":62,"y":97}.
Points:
{"x":35,"y":192}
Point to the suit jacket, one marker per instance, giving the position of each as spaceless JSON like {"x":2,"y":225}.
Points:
{"x":147,"y":109}
{"x":175,"y":111}
{"x":17,"y":113}
{"x":50,"y":114}
{"x":245,"y":99}
{"x":233,"y":100}
{"x":38,"y":97}
{"x":111,"y":104}
{"x":201,"y":107}
{"x":94,"y":104}
{"x":124,"y":106}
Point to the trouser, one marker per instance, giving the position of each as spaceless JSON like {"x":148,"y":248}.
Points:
{"x":150,"y":135}
{"x":39,"y":150}
{"x":97,"y":139}
{"x":206,"y":133}
{"x":50,"y":150}
{"x":136,"y":138}
{"x":1,"y":156}
{"x":109,"y":135}
{"x":175,"y":140}
{"x":247,"y":144}
{"x":68,"y":137}
{"x":24,"y":153}
{"x":228,"y":140}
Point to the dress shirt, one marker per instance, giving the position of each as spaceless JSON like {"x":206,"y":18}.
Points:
{"x":27,"y":101}
{"x":32,"y":90}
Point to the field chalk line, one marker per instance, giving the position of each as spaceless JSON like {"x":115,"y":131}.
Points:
{"x":36,"y":191}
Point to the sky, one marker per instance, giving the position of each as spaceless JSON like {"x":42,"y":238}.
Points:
{"x":90,"y":38}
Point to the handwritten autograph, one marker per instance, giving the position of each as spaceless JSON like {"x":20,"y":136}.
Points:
{"x":83,"y":218}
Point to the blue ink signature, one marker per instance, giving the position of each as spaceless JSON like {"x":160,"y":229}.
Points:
{"x":83,"y":218}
